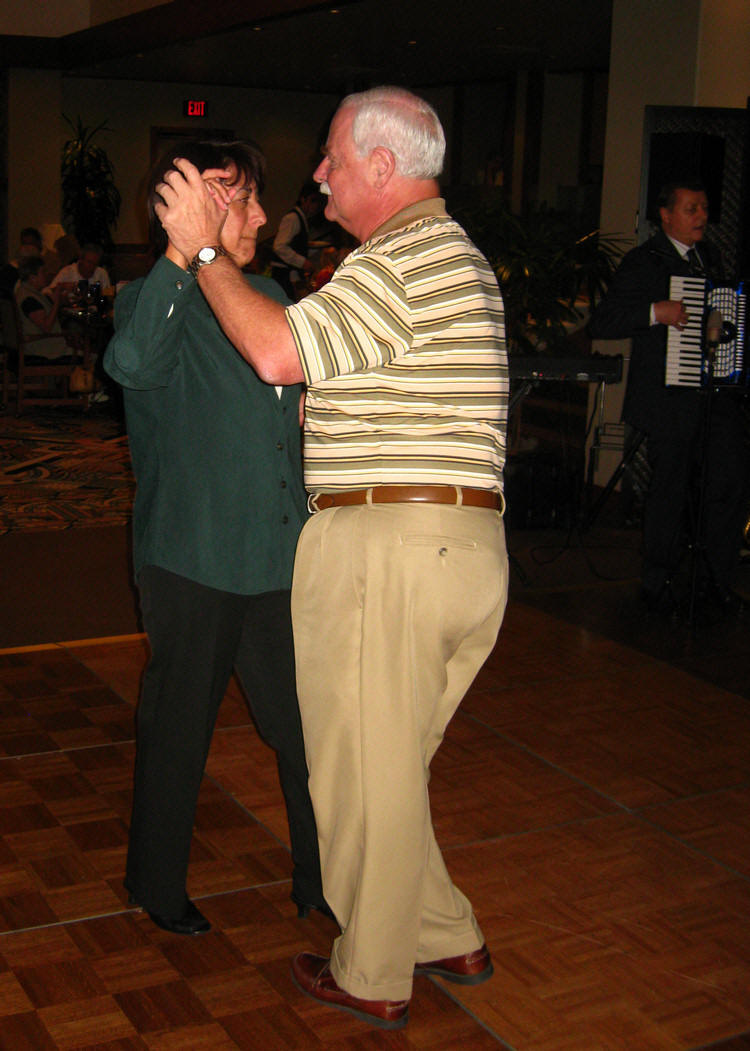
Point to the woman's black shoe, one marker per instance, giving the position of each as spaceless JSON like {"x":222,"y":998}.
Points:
{"x":192,"y":920}
{"x":304,"y":908}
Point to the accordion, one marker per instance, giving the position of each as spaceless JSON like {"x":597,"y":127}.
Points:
{"x":687,"y":363}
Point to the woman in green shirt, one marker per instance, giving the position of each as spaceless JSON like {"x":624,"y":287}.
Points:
{"x":219,"y":505}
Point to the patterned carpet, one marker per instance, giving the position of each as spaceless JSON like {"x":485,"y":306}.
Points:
{"x":64,"y":470}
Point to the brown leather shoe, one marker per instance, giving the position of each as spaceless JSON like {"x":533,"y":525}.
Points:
{"x":313,"y":976}
{"x":470,"y":969}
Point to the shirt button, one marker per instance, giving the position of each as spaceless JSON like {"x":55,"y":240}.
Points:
{"x":178,"y":285}
{"x":279,"y":446}
{"x":283,"y":484}
{"x":285,"y":519}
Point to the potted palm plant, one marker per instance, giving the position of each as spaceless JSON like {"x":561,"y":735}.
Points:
{"x":90,"y":198}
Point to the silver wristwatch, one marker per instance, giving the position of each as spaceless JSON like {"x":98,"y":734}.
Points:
{"x":203,"y":257}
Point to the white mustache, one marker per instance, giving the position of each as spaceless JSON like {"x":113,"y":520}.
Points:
{"x":325,"y":188}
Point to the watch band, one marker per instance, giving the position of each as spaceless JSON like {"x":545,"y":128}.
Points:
{"x":204,"y":257}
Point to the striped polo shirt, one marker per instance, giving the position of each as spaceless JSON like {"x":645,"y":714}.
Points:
{"x":404,"y":355}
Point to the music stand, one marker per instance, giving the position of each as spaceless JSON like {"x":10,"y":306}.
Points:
{"x":634,"y":444}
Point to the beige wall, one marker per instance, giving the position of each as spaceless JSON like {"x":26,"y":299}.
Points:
{"x":723,"y":73}
{"x":60,"y":17}
{"x":37,"y":18}
{"x":33,"y":151}
{"x":107,"y":10}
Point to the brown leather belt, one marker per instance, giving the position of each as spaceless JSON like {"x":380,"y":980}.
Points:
{"x":420,"y":494}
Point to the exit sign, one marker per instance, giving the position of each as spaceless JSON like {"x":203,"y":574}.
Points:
{"x":194,"y":108}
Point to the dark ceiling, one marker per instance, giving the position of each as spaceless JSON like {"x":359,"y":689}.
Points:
{"x":302,"y":45}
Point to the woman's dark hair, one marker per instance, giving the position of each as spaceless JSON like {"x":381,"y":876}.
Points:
{"x":246,"y":157}
{"x":28,"y":266}
{"x":30,"y":235}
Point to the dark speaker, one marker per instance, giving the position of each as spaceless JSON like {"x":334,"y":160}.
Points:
{"x":541,"y":493}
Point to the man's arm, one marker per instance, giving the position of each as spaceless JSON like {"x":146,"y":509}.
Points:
{"x":62,"y":278}
{"x":254,"y":323}
{"x":44,"y":320}
{"x":192,"y":217}
{"x":627,"y":307}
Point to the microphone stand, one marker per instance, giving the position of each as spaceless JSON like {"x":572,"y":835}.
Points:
{"x":699,"y":547}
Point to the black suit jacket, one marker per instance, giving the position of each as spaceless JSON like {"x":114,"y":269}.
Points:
{"x":641,"y":279}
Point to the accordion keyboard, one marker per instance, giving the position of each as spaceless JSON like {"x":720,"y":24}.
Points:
{"x":685,"y":362}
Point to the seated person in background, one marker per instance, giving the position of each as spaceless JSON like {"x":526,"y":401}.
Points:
{"x":66,"y":251}
{"x":39,"y":312}
{"x":86,"y":268}
{"x":290,"y":264}
{"x":29,"y":244}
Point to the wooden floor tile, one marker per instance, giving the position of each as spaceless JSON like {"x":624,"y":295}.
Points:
{"x":716,"y":824}
{"x":484,"y":785}
{"x":119,"y":664}
{"x":52,"y":702}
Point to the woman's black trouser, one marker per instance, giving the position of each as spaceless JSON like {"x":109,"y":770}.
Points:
{"x":197,"y":636}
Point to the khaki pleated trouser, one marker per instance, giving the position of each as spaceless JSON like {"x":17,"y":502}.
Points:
{"x":395,"y":608}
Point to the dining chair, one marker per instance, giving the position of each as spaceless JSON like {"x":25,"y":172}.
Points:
{"x":33,"y":382}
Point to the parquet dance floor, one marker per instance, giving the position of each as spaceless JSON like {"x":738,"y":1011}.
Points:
{"x":592,"y":799}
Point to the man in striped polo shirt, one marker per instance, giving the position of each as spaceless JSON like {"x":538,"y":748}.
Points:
{"x":401,"y":575}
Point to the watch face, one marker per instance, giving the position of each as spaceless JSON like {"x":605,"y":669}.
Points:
{"x":207,"y":255}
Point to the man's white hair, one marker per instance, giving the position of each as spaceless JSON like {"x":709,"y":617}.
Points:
{"x":404,"y":124}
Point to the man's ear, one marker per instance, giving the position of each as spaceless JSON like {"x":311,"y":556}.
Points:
{"x":382,"y":166}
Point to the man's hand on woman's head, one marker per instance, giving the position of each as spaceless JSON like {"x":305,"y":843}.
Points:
{"x":219,"y":187}
{"x":195,"y":205}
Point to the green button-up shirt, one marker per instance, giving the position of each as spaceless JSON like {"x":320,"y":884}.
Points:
{"x":215,"y":451}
